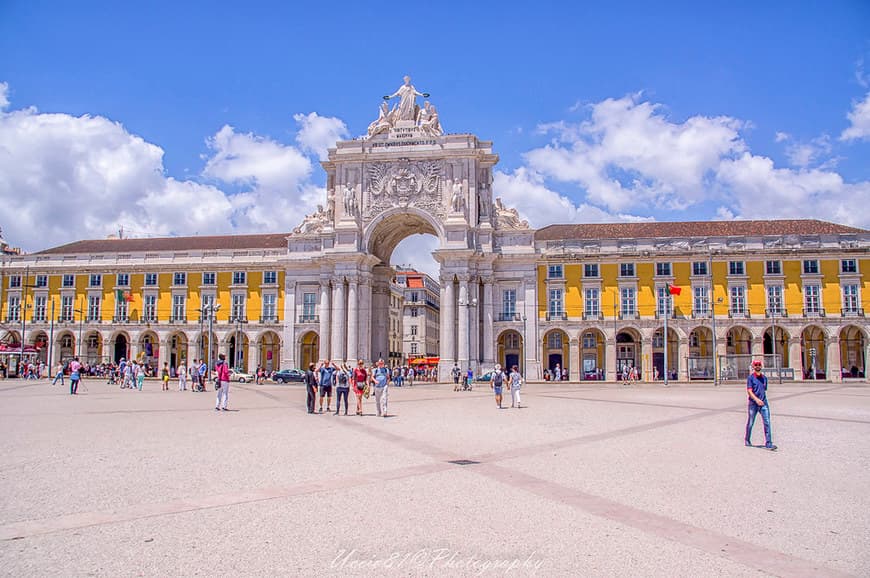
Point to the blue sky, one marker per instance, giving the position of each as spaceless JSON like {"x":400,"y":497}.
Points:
{"x":209,"y":117}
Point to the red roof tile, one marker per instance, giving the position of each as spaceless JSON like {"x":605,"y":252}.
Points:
{"x":162,"y":244}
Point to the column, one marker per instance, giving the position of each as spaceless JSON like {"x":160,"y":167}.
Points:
{"x":795,"y":357}
{"x":462,"y":333}
{"x":288,"y":333}
{"x":474,"y":351}
{"x":530,"y":310}
{"x":834,"y":368}
{"x":325,"y":317}
{"x":610,"y":359}
{"x":488,"y":344}
{"x":757,"y":348}
{"x":365,"y":318}
{"x":162,"y":354}
{"x":447,"y":349}
{"x":574,"y":362}
{"x":681,"y":363}
{"x":646,"y":360}
{"x":253,"y":357}
{"x":352,"y":321}
{"x":339,"y":322}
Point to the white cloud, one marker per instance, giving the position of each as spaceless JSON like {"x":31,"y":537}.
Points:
{"x":859,"y":119}
{"x":525,"y":190}
{"x":4,"y":95}
{"x":319,"y":133}
{"x":628,"y":154}
{"x":805,"y":154}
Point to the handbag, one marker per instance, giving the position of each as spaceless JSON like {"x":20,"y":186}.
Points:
{"x":367,"y":391}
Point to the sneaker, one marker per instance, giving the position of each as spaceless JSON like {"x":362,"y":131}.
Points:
{"x":748,"y":444}
{"x":224,"y":409}
{"x":770,"y":447}
{"x":217,"y":409}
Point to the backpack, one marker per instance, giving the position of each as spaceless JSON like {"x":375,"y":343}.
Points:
{"x":342,"y":378}
{"x":498,"y":379}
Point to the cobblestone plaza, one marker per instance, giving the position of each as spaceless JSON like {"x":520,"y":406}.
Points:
{"x":588,"y":480}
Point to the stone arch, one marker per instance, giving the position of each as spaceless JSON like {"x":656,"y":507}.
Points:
{"x":738,"y":340}
{"x":555,"y":345}
{"x":391,"y":227}
{"x":592,"y":345}
{"x":853,"y":351}
{"x":178,"y":352}
{"x":629,"y":348}
{"x":814,"y":352}
{"x":148,"y":348}
{"x":92,"y":347}
{"x":268,"y":345}
{"x":700,"y":362}
{"x":658,"y":353}
{"x":237,"y":342}
{"x":309,"y":349}
{"x":509,"y":349}
{"x":66,"y":345}
{"x":39,"y":340}
{"x":119,"y":346}
{"x":777,"y":344}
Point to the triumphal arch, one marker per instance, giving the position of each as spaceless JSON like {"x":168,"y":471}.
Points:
{"x":408,"y":176}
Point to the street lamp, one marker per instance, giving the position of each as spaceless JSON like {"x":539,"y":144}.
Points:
{"x":525,"y":333}
{"x":23,"y":312}
{"x":81,"y":312}
{"x":211,"y":308}
{"x":239,"y":352}
{"x":463,"y":302}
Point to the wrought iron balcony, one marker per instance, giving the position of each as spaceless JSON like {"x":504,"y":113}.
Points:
{"x":592,"y":316}
{"x":309,"y":319}
{"x":269,"y":319}
{"x":628,"y":314}
{"x":662,"y":314}
{"x":701,"y":314}
{"x":557,"y":316}
{"x":814,"y":312}
{"x":738,"y":313}
{"x":509,"y":317}
{"x":38,"y":319}
{"x":121,"y":319}
{"x":177,"y":320}
{"x":775,"y":313}
{"x":852,"y":312}
{"x":147,"y":319}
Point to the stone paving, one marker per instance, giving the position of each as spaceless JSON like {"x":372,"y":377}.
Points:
{"x":597,"y":480}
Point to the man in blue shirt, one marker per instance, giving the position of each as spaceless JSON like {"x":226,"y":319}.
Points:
{"x":756,"y":389}
{"x":325,"y":375}
{"x":380,"y":379}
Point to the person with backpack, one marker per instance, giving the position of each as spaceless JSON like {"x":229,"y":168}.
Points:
{"x":496,"y":382}
{"x":515,"y":382}
{"x":310,"y":388}
{"x":222,"y":383}
{"x":380,"y":380}
{"x":342,"y":389}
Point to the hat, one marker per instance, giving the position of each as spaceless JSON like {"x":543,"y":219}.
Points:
{"x":757,"y":362}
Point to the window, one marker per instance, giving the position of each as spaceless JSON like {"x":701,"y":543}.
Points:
{"x":413,"y":330}
{"x":592,"y":302}
{"x":14,"y":308}
{"x":269,"y":307}
{"x":309,"y":306}
{"x":270,"y":277}
{"x":694,"y":339}
{"x":121,"y":310}
{"x":554,"y":340}
{"x":589,"y":340}
{"x":414,"y":312}
{"x":94,"y":307}
{"x":811,"y":299}
{"x":14,"y":281}
{"x":508,"y":303}
{"x":699,"y":268}
{"x":850,"y":299}
{"x":774,"y":299}
{"x":66,"y":308}
{"x":663,"y":269}
{"x":414,"y":348}
{"x":179,"y":278}
{"x":412,"y":297}
{"x":149,"y":308}
{"x":554,"y":302}
{"x":178,"y":307}
{"x":69,"y":281}
{"x":96,"y":280}
{"x":208,"y":278}
{"x":658,"y":339}
{"x":238,"y":307}
{"x":42,"y":280}
{"x":150,"y":279}
{"x":738,"y":300}
{"x":848,"y":266}
{"x":39,"y":308}
{"x":590,"y":270}
{"x":811,"y":266}
{"x":626,"y":269}
{"x":239,"y":278}
{"x":664,"y":305}
{"x":123,"y":280}
{"x":554,"y":272}
{"x":773,"y":267}
{"x":628,"y":303}
{"x":512,"y":341}
{"x":736,"y":268}
{"x":700,"y":301}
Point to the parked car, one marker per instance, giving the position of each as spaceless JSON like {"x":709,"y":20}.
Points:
{"x":242,"y":377}
{"x":287,"y":375}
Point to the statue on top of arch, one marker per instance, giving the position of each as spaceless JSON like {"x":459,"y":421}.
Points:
{"x":407,"y":109}
{"x":508,"y":218}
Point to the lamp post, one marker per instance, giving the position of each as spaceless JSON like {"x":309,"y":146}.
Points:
{"x":773,"y":312}
{"x":23,"y":312}
{"x":51,"y":342}
{"x":81,"y":312}
{"x":523,"y":360}
{"x":239,"y":352}
{"x":713,"y":302}
{"x":212,"y":308}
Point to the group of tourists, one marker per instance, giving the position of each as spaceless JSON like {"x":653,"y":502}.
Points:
{"x":323,"y":377}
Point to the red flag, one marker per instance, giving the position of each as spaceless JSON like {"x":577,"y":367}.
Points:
{"x":674,"y":290}
{"x":128,"y":297}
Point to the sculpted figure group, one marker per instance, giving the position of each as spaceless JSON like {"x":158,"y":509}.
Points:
{"x":425,"y":118}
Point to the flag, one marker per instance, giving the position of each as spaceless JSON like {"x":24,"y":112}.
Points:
{"x":128,"y":297}
{"x":674,"y":290}
{"x":122,"y":295}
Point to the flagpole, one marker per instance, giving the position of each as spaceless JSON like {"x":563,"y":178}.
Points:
{"x":665,"y":340}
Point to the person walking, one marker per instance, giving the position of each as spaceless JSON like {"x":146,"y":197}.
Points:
{"x":222,"y":383}
{"x":140,"y":375}
{"x":310,"y":388}
{"x":496,"y":383}
{"x":203,"y":369}
{"x":75,"y":375}
{"x":164,"y":376}
{"x":380,"y":380}
{"x":182,"y":377}
{"x":455,"y":372}
{"x":515,"y":382}
{"x":58,"y":374}
{"x":360,"y":379}
{"x":342,"y":387}
{"x":756,"y":390}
